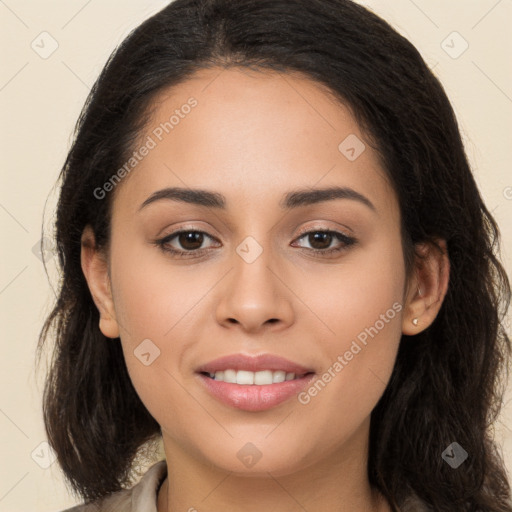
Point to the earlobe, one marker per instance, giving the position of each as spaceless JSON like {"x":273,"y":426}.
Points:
{"x":95,"y":269}
{"x":428,"y":288}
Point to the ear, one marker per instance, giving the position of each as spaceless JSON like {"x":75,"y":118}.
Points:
{"x":95,"y":269}
{"x":427,"y":288}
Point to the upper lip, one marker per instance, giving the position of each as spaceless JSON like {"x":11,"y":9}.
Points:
{"x":253,"y":364}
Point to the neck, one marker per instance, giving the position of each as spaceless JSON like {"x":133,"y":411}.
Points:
{"x":338,"y":482}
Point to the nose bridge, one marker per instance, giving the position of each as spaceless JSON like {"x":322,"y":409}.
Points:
{"x":253,"y":277}
{"x":254,"y":251}
{"x":254,"y":293}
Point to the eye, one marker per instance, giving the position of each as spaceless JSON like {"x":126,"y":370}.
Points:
{"x":190,"y":240}
{"x":322,"y":240}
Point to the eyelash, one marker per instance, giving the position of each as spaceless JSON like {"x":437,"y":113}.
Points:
{"x":162,"y":243}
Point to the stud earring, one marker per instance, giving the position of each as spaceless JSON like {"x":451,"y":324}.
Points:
{"x":415,"y":321}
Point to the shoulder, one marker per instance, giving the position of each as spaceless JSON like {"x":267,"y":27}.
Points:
{"x":142,"y":496}
{"x":414,"y":504}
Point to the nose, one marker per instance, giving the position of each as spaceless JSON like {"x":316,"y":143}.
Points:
{"x":255,"y":294}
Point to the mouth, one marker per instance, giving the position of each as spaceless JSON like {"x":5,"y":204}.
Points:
{"x":252,"y":364}
{"x":254,"y":397}
{"x":248,"y":378}
{"x":253,"y":383}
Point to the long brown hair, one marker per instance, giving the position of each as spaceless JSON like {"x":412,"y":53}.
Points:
{"x":448,"y":381}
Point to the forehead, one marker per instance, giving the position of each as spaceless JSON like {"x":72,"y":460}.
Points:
{"x":251,"y":134}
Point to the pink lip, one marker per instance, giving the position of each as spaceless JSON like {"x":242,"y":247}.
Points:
{"x":253,"y":397}
{"x":253,"y":364}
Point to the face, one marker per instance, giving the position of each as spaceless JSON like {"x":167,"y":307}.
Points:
{"x":317,"y":280}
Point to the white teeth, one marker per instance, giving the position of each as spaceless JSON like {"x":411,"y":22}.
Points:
{"x":263,"y":377}
{"x":229,"y":376}
{"x":245,"y":377}
{"x":278,"y":376}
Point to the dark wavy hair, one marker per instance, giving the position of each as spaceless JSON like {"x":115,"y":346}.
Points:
{"x":448,"y":381}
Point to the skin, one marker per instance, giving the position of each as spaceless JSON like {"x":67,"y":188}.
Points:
{"x":253,"y":137}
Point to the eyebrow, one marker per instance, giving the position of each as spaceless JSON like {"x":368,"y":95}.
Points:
{"x":291,"y":200}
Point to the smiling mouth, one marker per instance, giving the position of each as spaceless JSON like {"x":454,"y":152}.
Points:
{"x":248,"y":378}
{"x":254,"y":391}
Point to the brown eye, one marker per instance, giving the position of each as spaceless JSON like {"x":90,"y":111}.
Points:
{"x":320,"y":241}
{"x":190,"y":240}
{"x":185,"y":243}
{"x":189,"y":243}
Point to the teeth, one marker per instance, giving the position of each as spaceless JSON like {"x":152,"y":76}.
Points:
{"x":245,"y":377}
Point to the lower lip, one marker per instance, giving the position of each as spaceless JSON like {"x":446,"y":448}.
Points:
{"x":254,"y":397}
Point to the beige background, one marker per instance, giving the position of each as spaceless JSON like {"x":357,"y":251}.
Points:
{"x":40,"y":99}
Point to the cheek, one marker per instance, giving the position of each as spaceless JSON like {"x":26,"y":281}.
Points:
{"x":151,"y":294}
{"x":156,"y":308}
{"x":362,"y":306}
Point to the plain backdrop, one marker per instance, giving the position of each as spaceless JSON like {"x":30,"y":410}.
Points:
{"x":52,"y":52}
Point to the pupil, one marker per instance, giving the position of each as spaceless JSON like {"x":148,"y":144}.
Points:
{"x":322,"y":237}
{"x":196,"y":239}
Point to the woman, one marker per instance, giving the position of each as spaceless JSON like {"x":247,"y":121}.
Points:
{"x":276,"y":260}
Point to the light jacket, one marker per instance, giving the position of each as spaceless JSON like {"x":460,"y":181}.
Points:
{"x":142,"y":497}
